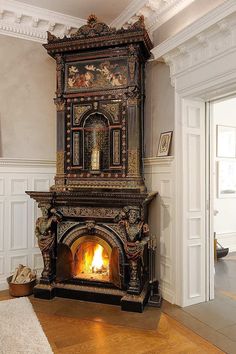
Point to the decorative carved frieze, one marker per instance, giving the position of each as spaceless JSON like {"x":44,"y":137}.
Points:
{"x":95,"y":212}
{"x":63,"y":227}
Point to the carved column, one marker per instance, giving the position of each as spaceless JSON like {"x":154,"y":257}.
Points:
{"x":60,"y":106}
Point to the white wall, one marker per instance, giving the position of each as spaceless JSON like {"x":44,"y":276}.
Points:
{"x":27,"y":111}
{"x":223,"y":113}
{"x":159,"y":106}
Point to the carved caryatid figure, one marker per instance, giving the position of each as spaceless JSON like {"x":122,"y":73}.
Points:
{"x":137,"y":236}
{"x":45,"y":231}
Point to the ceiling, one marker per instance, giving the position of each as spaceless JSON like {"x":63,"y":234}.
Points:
{"x":105,"y":10}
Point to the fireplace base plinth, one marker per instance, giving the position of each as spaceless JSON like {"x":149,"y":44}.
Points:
{"x":136,"y":303}
{"x":128,"y":302}
{"x":44,"y":291}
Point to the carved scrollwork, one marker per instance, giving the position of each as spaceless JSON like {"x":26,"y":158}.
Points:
{"x":133,"y":95}
{"x":93,"y":28}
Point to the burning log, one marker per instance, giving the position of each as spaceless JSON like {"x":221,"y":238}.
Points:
{"x":23,"y":275}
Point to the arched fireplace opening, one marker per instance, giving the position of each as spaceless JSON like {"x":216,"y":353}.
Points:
{"x":86,"y":258}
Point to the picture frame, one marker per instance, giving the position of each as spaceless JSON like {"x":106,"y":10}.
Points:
{"x":226,"y":141}
{"x":226,"y":179}
{"x":164,"y":144}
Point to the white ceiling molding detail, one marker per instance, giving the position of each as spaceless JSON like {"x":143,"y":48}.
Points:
{"x":204,"y":41}
{"x":155,"y":12}
{"x":25,"y":21}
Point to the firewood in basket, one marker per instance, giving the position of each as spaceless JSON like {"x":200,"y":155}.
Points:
{"x":17,"y":272}
{"x":23,"y":275}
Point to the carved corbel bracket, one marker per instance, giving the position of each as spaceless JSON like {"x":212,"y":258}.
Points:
{"x":60,"y":104}
{"x":90,"y":225}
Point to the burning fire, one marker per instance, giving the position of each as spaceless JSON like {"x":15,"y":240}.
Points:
{"x":92,"y":261}
{"x":97,"y":262}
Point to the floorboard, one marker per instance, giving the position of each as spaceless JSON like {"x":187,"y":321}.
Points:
{"x":73,"y":327}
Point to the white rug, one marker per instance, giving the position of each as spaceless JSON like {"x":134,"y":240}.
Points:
{"x":20,"y":330}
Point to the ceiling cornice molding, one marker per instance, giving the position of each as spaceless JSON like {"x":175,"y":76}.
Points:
{"x":155,"y":12}
{"x":128,"y":13}
{"x":195,"y":28}
{"x":25,"y":21}
{"x":205,"y":42}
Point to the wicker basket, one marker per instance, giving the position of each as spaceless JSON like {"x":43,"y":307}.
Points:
{"x":21,"y":289}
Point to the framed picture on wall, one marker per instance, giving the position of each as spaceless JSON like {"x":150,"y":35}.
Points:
{"x":226,"y":179}
{"x":226,"y":141}
{"x":164,"y":144}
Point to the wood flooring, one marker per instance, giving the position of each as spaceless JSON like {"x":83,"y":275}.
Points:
{"x":73,"y":326}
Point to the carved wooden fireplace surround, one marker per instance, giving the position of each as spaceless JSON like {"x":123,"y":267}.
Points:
{"x":99,"y":200}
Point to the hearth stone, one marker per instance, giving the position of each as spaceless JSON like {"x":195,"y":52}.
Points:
{"x":93,"y":233}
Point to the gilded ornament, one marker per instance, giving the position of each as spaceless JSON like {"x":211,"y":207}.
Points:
{"x":133,"y":163}
{"x":60,"y":162}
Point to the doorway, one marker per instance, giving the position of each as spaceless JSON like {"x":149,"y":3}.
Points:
{"x":222,"y":175}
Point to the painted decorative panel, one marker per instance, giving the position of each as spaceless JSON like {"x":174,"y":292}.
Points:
{"x":76,"y":149}
{"x":113,"y":108}
{"x":78,"y":112}
{"x":116,"y":147}
{"x":96,"y":74}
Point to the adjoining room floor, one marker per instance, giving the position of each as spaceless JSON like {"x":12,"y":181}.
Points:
{"x":214,"y":320}
{"x":72,"y":327}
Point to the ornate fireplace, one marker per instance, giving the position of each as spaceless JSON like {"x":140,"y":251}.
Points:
{"x":93,"y":233}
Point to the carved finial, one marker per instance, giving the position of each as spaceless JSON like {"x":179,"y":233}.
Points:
{"x":140,"y":23}
{"x":92,"y":19}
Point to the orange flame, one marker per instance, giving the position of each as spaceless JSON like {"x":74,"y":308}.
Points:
{"x":92,"y":260}
{"x":97,"y":262}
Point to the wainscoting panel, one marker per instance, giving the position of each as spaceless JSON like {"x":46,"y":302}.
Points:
{"x":18,"y":213}
{"x":159,"y":178}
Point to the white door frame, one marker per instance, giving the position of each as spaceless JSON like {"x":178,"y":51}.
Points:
{"x":202,"y":60}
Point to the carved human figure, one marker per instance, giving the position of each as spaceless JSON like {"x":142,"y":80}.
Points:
{"x":137,"y":236}
{"x":45,"y":231}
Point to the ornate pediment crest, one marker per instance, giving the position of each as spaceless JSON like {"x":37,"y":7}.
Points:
{"x":93,"y":28}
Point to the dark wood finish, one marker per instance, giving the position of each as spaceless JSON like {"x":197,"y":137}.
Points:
{"x":99,"y":192}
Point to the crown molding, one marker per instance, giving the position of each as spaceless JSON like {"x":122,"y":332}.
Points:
{"x":155,"y":12}
{"x":205,"y":42}
{"x":200,"y":25}
{"x":30,"y":22}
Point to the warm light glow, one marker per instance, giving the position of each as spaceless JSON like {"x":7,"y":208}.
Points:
{"x":97,"y":262}
{"x":92,"y":262}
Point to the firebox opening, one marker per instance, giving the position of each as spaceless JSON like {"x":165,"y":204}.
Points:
{"x":92,"y":261}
